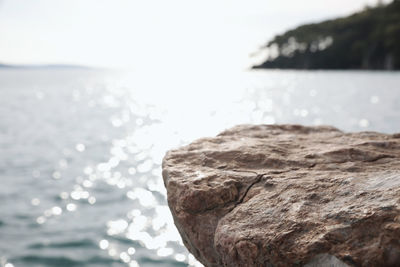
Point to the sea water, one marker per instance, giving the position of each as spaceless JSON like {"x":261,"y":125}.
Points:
{"x":81,"y":150}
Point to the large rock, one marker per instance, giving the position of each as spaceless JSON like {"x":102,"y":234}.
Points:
{"x":288,"y":195}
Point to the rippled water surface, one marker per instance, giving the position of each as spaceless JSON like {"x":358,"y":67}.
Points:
{"x":81,"y":151}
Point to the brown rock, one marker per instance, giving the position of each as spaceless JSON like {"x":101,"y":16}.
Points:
{"x":288,"y":195}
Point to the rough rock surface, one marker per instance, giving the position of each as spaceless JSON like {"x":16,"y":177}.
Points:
{"x":288,"y":195}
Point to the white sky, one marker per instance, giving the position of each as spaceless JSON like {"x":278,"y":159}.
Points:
{"x":149,"y":33}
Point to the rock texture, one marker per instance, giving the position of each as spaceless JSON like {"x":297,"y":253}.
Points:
{"x":288,"y":195}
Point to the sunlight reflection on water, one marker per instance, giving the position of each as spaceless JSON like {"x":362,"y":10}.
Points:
{"x":86,"y":149}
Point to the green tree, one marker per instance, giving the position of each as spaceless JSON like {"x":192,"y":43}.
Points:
{"x":369,"y":39}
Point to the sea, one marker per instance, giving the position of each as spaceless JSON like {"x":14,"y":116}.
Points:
{"x":81,"y":149}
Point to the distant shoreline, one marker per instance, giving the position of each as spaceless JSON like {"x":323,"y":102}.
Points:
{"x":47,"y":66}
{"x":258,"y":68}
{"x":366,"y":40}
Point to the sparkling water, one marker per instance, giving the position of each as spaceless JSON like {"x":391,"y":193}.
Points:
{"x":81,"y":150}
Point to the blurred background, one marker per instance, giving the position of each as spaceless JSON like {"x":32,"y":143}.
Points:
{"x":93,"y":93}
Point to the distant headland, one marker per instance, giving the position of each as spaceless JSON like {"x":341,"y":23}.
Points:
{"x":38,"y":66}
{"x":369,"y":39}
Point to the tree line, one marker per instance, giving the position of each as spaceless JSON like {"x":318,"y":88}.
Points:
{"x":369,"y":39}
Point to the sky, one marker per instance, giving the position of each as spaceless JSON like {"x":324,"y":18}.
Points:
{"x":152,"y":33}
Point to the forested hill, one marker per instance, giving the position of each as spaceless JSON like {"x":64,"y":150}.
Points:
{"x":369,"y":39}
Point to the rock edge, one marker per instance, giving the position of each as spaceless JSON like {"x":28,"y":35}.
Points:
{"x":287,"y":195}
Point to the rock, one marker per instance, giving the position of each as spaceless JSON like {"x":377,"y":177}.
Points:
{"x":288,"y":195}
